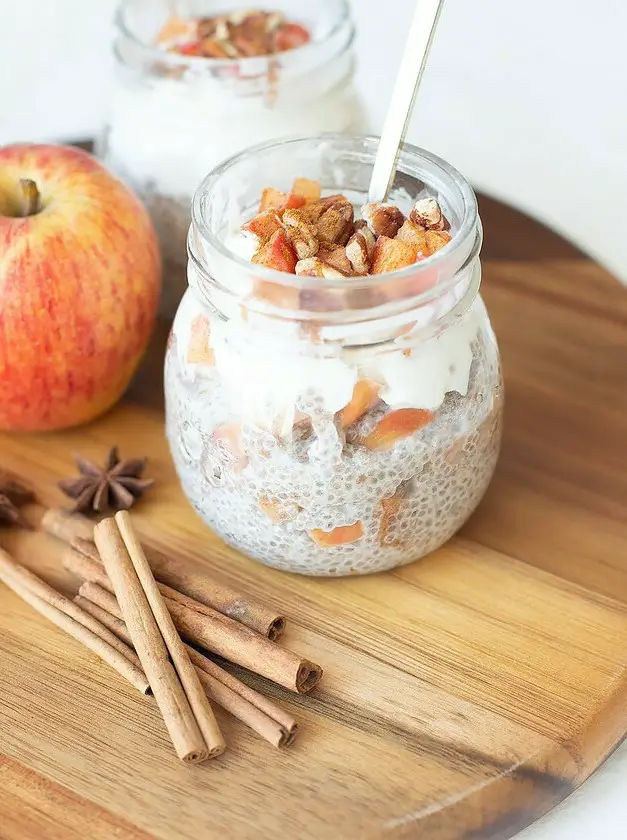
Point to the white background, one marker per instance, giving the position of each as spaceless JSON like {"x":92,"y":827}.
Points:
{"x":527,"y":99}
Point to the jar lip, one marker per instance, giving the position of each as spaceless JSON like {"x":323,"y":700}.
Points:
{"x":469,"y":227}
{"x":287,"y":57}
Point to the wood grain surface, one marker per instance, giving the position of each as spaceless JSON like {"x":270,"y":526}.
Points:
{"x":463,"y":696}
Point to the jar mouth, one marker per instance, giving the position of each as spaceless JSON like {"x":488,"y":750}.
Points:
{"x":287,"y":58}
{"x":463,"y":248}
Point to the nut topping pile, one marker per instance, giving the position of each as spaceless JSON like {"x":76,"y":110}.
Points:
{"x":302,"y":233}
{"x":242,"y":34}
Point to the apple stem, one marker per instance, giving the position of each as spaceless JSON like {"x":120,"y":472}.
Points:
{"x":30,"y":197}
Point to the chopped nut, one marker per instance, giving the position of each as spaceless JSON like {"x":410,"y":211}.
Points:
{"x":335,"y":226}
{"x":206,"y":27}
{"x":427,"y":214}
{"x":212,"y":48}
{"x":383,"y":219}
{"x":362,"y":225}
{"x":312,"y":211}
{"x":240,"y":15}
{"x":332,"y":200}
{"x":301,"y":235}
{"x":335,"y":257}
{"x":314,"y":267}
{"x":311,"y":267}
{"x":274,"y":20}
{"x":245,"y":32}
{"x":359,"y":249}
{"x":222,"y":30}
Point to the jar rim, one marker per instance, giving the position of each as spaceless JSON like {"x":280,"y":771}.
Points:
{"x":288,"y":57}
{"x":465,"y":242}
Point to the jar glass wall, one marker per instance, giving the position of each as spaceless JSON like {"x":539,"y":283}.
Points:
{"x":173,"y":117}
{"x":333,"y":427}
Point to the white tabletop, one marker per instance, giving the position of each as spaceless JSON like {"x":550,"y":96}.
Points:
{"x":597,"y":811}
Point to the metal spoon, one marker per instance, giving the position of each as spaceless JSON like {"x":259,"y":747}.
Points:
{"x":410,"y":72}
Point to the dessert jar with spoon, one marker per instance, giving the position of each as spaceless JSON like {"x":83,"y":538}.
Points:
{"x":333,"y":387}
{"x":198,"y":81}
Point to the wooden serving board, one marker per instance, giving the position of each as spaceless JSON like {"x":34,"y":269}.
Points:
{"x":463,"y":695}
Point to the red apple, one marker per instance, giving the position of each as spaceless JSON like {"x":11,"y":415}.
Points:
{"x":79,"y":285}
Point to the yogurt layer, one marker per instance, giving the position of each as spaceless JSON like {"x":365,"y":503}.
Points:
{"x":167,"y":134}
{"x":272,"y":375}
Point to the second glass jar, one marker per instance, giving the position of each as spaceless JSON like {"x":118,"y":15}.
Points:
{"x":333,"y":427}
{"x":173,"y":117}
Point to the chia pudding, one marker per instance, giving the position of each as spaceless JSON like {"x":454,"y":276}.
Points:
{"x":194,"y":89}
{"x":334,"y":409}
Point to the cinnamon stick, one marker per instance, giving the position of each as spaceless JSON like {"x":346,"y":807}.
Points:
{"x":66,"y":615}
{"x":256,"y":711}
{"x":149,"y":645}
{"x":180,"y":575}
{"x":178,"y":654}
{"x":208,"y":628}
{"x":67,"y":526}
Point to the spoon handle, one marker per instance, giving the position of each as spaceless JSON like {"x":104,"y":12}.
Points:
{"x":410,"y":72}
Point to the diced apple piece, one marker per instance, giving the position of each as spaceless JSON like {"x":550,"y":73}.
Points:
{"x":389,"y":511}
{"x":414,"y":236}
{"x":272,"y":199}
{"x":342,"y":535}
{"x":395,"y":426}
{"x":391,"y":255}
{"x":199,"y":350}
{"x":228,"y":435}
{"x":289,"y":36}
{"x":264,"y":224}
{"x":365,"y":396}
{"x":177,"y":30}
{"x":277,"y":510}
{"x":283,"y":297}
{"x":192,"y":48}
{"x":294,"y":202}
{"x":309,"y":190}
{"x":277,"y":253}
{"x":436,"y":239}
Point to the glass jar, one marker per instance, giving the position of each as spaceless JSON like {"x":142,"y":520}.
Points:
{"x":173,"y":117}
{"x":333,"y":427}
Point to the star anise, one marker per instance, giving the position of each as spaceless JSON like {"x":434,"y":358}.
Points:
{"x":13,"y":494}
{"x":115,"y":486}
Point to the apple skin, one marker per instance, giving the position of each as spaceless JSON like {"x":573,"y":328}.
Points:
{"x":79,"y":287}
